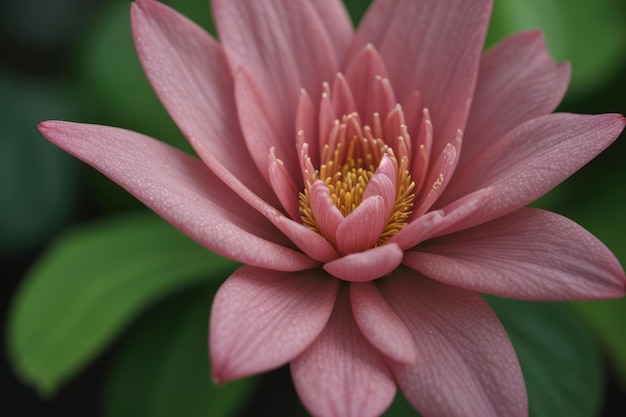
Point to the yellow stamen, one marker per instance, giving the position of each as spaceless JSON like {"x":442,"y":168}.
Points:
{"x":347,"y":168}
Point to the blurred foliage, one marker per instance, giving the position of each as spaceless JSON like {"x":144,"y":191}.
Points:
{"x":589,"y":34}
{"x":91,"y":284}
{"x":37,"y":181}
{"x":162,"y":367}
{"x":559,"y":360}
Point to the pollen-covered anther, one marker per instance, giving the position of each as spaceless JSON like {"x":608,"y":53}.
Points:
{"x":348,"y":162}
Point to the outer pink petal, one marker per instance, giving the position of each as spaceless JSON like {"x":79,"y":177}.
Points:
{"x":373,"y":26}
{"x":433,"y":47}
{"x":334,"y":16}
{"x":261,"y":127}
{"x":262,"y":319}
{"x":341,"y":374}
{"x":518,"y":80}
{"x":531,"y":160}
{"x":368,"y":265}
{"x":180,"y":189}
{"x":283,"y":43}
{"x":380,"y":324}
{"x":467,"y":365}
{"x":189,"y":73}
{"x":438,"y":222}
{"x":529,"y":254}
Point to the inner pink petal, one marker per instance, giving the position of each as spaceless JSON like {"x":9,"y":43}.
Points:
{"x":368,"y":265}
{"x":361,"y":229}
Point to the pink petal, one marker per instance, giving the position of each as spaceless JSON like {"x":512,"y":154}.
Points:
{"x":334,"y":16}
{"x":433,"y":47}
{"x":531,"y":160}
{"x":328,"y":122}
{"x":261,"y":127}
{"x":467,"y":366}
{"x":307,"y":240}
{"x":361,"y":229}
{"x":383,"y":98}
{"x":326,"y":214}
{"x":189,"y":73}
{"x":341,"y":375}
{"x":284,"y":187}
{"x":413,"y":111}
{"x":361,"y":74}
{"x":262,"y":319}
{"x":383,"y":183}
{"x":439,"y":222}
{"x":373,"y":27}
{"x":422,"y":150}
{"x":396,"y":133}
{"x":518,"y":80}
{"x":341,"y":97}
{"x":283,"y":43}
{"x":380,"y":325}
{"x":182,"y":190}
{"x":438,"y":178}
{"x":529,"y":254}
{"x":307,"y":124}
{"x":366,"y":266}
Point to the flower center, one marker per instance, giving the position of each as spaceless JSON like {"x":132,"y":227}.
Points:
{"x":348,"y":162}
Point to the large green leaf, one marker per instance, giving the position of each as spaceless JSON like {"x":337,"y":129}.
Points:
{"x":90,"y":284}
{"x":162,"y":368}
{"x":559,"y":361}
{"x":589,"y":34}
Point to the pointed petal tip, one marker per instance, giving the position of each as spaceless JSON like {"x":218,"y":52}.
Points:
{"x":53,"y":130}
{"x":217,"y":379}
{"x":48,"y":125}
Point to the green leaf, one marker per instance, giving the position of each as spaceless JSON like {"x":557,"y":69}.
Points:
{"x":162,"y":368}
{"x":37,"y":181}
{"x":606,"y":318}
{"x":588,"y":34}
{"x":559,"y":361}
{"x":90,"y":284}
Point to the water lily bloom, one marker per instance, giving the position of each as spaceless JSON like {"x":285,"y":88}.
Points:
{"x":373,"y":183}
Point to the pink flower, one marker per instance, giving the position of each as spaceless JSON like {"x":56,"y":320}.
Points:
{"x":373,"y":184}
